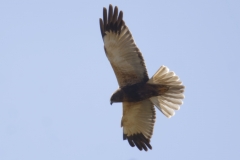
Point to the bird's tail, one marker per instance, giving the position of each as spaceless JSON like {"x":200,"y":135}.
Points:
{"x":170,"y":100}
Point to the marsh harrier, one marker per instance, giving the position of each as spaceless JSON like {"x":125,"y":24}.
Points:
{"x":136,"y":91}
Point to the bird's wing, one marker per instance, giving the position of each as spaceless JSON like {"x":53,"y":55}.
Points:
{"x":137,"y":122}
{"x":123,"y":54}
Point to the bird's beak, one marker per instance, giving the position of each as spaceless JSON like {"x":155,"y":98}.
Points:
{"x":111,"y":102}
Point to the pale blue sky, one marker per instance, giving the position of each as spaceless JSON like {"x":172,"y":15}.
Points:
{"x":56,"y":81}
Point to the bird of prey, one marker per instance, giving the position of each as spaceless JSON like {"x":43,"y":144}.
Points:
{"x":136,"y":91}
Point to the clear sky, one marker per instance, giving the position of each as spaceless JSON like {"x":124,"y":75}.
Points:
{"x":56,"y":82}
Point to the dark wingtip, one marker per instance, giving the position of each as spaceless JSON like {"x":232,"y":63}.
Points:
{"x":120,"y":17}
{"x":112,"y":20}
{"x":104,"y":10}
{"x":110,"y":13}
{"x":138,"y":140}
{"x":101,"y":26}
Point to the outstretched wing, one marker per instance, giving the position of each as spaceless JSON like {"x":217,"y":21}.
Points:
{"x":137,"y":122}
{"x":123,"y":54}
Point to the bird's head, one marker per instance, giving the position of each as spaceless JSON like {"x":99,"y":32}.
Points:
{"x":117,"y":96}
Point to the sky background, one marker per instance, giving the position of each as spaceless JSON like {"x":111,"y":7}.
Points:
{"x":56,"y":82}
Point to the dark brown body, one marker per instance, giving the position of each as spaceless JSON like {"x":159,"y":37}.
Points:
{"x":138,"y":92}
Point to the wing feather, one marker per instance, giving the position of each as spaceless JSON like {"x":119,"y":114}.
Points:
{"x":138,"y":122}
{"x":121,"y":50}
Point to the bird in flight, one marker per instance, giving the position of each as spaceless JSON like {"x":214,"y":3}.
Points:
{"x":136,"y":91}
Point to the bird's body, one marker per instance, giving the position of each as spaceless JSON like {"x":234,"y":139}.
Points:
{"x":136,"y":91}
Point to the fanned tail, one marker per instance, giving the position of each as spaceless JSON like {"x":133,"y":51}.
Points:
{"x":171,"y":100}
